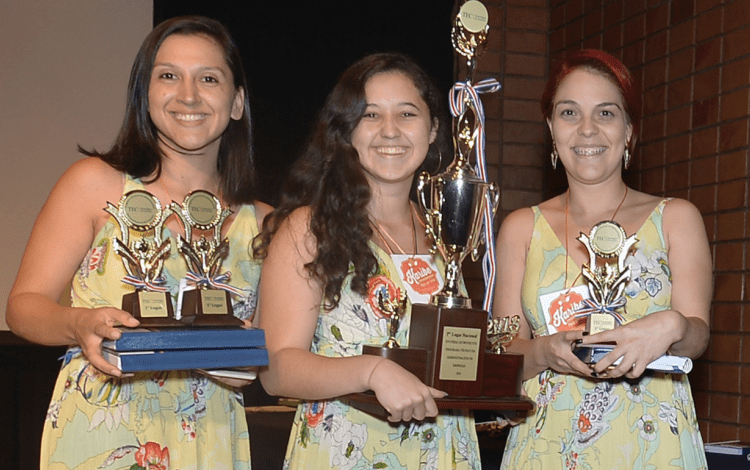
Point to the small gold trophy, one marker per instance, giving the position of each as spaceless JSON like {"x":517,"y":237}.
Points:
{"x":606,"y":281}
{"x":209,"y":304}
{"x":410,"y":359}
{"x":139,"y":213}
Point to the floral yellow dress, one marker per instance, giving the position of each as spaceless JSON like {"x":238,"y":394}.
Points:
{"x":333,"y":434}
{"x":155,"y":420}
{"x":649,"y":423}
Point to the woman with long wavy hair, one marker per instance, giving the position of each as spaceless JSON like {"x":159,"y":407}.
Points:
{"x":346,"y":232}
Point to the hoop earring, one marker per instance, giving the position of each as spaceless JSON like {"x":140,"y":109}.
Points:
{"x":626,"y":158}
{"x":554,"y":155}
{"x":440,"y":162}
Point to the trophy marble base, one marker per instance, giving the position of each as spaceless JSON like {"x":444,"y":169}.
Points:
{"x":208,"y":307}
{"x":152,"y":309}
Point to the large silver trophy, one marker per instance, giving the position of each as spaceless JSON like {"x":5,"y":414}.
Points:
{"x":454,"y":201}
{"x":461,"y":360}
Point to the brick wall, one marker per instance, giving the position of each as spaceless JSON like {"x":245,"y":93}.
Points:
{"x":693,"y":60}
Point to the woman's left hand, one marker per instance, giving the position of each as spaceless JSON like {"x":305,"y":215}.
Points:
{"x":639,"y":343}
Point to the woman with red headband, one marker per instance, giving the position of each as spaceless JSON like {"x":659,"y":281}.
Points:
{"x":615,"y":413}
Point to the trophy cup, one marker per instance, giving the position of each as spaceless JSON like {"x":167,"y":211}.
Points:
{"x":606,"y":282}
{"x":143,"y":256}
{"x":209,"y":304}
{"x":454,"y":205}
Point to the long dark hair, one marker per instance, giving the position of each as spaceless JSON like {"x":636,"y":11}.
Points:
{"x":329,"y":177}
{"x":136,"y":149}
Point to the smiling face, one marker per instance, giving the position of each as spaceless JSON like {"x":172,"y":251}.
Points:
{"x":396,"y":130}
{"x":589,"y":126}
{"x":191,"y":95}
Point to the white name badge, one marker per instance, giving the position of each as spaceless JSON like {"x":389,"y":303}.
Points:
{"x":559,"y":307}
{"x":420,"y":275}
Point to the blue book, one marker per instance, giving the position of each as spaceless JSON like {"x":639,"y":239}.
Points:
{"x":181,"y":359}
{"x":187,"y":338}
{"x":728,"y":455}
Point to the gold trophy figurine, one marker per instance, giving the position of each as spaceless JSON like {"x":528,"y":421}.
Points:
{"x":410,"y":359}
{"x":209,"y":304}
{"x":607,"y":281}
{"x":143,"y":251}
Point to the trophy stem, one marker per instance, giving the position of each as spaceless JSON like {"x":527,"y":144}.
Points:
{"x":450,"y":296}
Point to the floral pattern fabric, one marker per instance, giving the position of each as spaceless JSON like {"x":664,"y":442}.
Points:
{"x":333,"y":434}
{"x":648,"y":423}
{"x":152,"y":420}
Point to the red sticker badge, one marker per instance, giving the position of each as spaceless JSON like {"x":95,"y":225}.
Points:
{"x":420,"y":276}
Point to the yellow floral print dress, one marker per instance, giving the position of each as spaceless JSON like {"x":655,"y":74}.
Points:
{"x":649,"y":423}
{"x":334,"y":435}
{"x":155,"y":420}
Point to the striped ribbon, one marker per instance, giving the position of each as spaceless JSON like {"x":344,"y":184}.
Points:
{"x":218,"y":282}
{"x":591,"y":306}
{"x":156,"y":286}
{"x":461,"y":95}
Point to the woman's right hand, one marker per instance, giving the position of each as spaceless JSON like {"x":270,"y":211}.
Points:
{"x":402,"y":394}
{"x":90,"y":327}
{"x":557,"y":351}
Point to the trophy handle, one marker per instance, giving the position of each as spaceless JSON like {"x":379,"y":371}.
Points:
{"x":112,"y":210}
{"x":424,"y":180}
{"x":494,"y":196}
{"x":432,"y":215}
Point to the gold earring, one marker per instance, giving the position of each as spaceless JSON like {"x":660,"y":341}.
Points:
{"x":554,"y":155}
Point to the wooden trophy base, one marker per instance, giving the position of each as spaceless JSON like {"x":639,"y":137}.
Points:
{"x":413,"y":360}
{"x":448,"y":351}
{"x":457,"y":338}
{"x":208,"y":307}
{"x":502,"y":375}
{"x":151,"y":309}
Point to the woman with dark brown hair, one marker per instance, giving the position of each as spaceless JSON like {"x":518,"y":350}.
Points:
{"x":345,"y":233}
{"x":612,"y":414}
{"x":186,"y":128}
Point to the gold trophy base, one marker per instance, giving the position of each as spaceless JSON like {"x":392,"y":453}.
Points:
{"x":151,"y":309}
{"x":208,"y":307}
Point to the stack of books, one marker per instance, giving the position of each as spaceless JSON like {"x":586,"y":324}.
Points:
{"x":729,"y":455}
{"x":189,"y":348}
